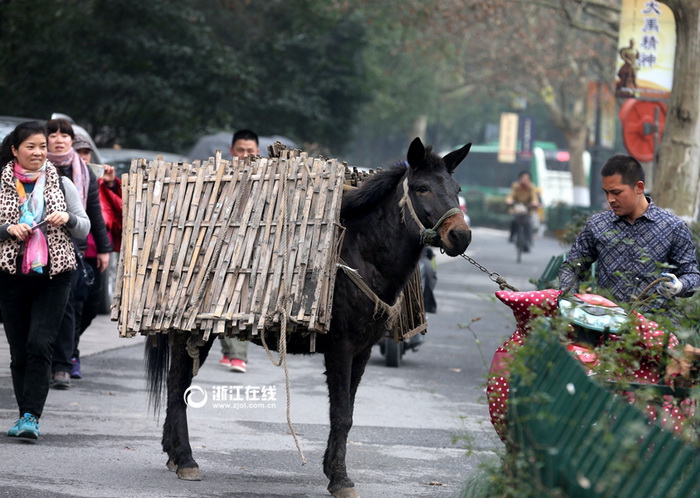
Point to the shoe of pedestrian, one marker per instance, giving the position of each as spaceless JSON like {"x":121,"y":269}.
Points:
{"x":14,"y":430}
{"x":75,"y":371}
{"x":225,"y":361}
{"x":60,"y":380}
{"x":28,"y":427}
{"x":238,"y":365}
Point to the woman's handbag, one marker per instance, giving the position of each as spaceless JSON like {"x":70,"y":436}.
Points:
{"x":86,"y":277}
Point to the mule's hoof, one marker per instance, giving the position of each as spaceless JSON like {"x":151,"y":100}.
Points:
{"x":189,"y":474}
{"x":346,"y":493}
{"x":172,"y":466}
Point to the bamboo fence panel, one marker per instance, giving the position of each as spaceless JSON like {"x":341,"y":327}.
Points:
{"x":221,"y":246}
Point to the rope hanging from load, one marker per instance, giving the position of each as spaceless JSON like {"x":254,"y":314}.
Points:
{"x":392,"y":311}
{"x":194,"y":342}
{"x":283,"y":307}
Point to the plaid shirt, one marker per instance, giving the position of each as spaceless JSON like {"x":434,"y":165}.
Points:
{"x":630,"y":256}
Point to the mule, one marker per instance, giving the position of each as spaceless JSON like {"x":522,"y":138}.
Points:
{"x":385,"y":220}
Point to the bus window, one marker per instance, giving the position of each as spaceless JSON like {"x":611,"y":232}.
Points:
{"x":482,"y":171}
{"x":551,"y":172}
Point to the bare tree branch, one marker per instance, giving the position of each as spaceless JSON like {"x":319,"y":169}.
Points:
{"x":587,"y":15}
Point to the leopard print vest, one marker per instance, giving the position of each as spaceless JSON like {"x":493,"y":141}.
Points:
{"x":61,"y":252}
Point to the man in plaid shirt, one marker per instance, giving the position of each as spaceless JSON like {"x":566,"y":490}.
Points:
{"x":634,"y":242}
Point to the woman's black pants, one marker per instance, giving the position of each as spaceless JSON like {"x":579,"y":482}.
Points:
{"x":32,"y":308}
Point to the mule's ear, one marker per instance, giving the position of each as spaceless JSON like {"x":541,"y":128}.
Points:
{"x":455,"y":157}
{"x":416,"y":153}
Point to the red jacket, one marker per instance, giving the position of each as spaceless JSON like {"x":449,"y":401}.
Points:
{"x":111,"y":204}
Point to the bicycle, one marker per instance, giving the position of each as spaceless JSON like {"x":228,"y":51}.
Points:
{"x":523,"y":229}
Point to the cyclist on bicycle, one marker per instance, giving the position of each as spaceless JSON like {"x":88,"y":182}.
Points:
{"x":523,"y":192}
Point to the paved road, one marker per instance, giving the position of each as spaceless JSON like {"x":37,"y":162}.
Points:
{"x":419,"y":430}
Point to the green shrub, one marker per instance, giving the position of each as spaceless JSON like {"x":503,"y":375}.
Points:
{"x":566,"y":221}
{"x":487,"y":210}
{"x":514,"y":476}
{"x":695,"y":231}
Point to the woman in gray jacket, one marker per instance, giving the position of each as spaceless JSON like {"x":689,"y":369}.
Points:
{"x":39,"y":212}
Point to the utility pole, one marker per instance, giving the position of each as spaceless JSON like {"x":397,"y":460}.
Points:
{"x":595,"y":181}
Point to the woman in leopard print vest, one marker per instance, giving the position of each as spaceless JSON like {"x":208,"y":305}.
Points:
{"x":39,"y":212}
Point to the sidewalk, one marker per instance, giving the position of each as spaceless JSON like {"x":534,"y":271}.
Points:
{"x":101,"y":336}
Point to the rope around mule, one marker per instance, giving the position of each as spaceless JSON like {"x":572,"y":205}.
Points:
{"x":282,"y":309}
{"x":392,"y":311}
{"x":430,"y":236}
{"x":427,"y":235}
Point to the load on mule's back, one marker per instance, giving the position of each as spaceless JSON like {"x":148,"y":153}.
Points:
{"x":386,"y":222}
{"x":215,"y":247}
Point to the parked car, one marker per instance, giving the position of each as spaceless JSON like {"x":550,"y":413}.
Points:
{"x":121,"y":158}
{"x":463,"y":207}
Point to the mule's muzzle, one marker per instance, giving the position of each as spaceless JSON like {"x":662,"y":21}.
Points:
{"x":459,"y":241}
{"x":455,"y":235}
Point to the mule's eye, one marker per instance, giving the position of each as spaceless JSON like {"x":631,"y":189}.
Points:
{"x":422,"y":189}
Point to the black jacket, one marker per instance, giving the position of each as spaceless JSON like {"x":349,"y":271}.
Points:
{"x":94,"y":212}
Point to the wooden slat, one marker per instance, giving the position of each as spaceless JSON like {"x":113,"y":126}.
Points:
{"x":178,"y":198}
{"x":272,"y":246}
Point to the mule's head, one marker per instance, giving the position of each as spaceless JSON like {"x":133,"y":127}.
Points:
{"x":433,"y":193}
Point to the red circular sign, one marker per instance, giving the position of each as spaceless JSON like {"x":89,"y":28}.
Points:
{"x":638,"y":119}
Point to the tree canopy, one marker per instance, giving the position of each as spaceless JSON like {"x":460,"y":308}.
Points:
{"x":160,"y":73}
{"x":353,"y":79}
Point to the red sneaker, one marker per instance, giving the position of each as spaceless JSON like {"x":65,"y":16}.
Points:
{"x":225,"y":361}
{"x":238,"y":365}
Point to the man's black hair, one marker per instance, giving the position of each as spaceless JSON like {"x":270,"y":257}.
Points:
{"x":245,"y":135}
{"x":626,"y":166}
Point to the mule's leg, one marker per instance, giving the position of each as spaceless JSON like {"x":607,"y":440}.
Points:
{"x":359,"y":363}
{"x":343,"y":374}
{"x":176,"y":440}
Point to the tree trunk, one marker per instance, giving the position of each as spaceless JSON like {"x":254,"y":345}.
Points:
{"x":571,"y":121}
{"x":678,"y":169}
{"x":576,"y":141}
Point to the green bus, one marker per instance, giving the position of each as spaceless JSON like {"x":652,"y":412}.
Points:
{"x":549,"y":168}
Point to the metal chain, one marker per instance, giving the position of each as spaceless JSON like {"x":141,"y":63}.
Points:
{"x":493,"y":276}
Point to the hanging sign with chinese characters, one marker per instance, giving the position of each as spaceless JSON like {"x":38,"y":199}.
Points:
{"x":508,"y":138}
{"x":647,"y":47}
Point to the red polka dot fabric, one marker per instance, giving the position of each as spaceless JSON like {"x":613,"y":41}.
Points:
{"x":498,"y":386}
{"x":643,"y":370}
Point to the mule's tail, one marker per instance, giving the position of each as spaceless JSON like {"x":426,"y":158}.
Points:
{"x":157,"y":359}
